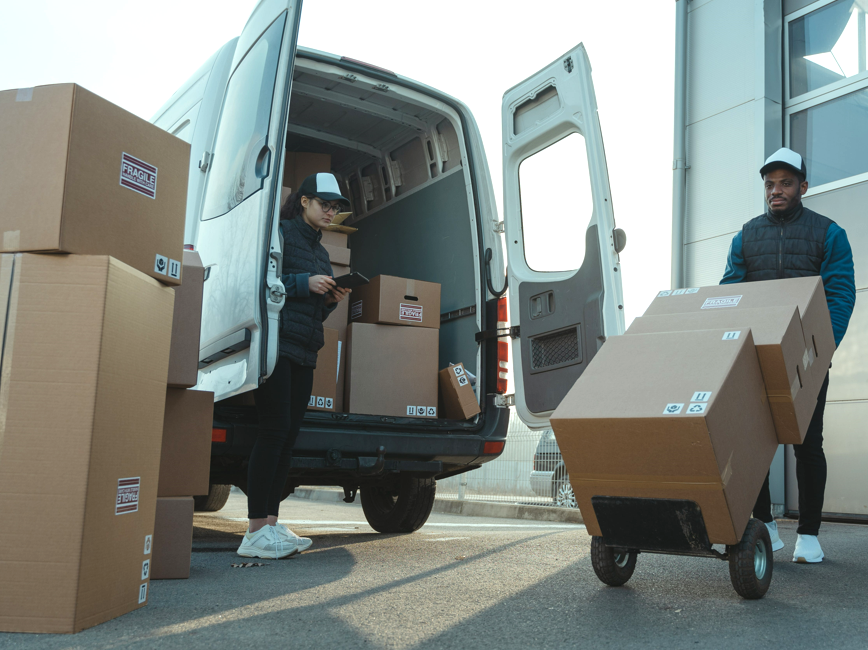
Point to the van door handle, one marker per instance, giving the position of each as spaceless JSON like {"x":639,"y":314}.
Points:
{"x":263,"y":162}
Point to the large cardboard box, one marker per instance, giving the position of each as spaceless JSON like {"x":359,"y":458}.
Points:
{"x":337,"y":320}
{"x":299,"y":165}
{"x":187,"y":324}
{"x":396,"y":301}
{"x":780,"y":346}
{"x":392,"y":370}
{"x":675,"y":415}
{"x":185,"y":458}
{"x":325,"y":377}
{"x":81,"y":175}
{"x":805,"y":293}
{"x":459,"y":400}
{"x":173,"y":538}
{"x":82,"y":388}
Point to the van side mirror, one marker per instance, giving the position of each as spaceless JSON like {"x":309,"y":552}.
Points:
{"x":620,"y":239}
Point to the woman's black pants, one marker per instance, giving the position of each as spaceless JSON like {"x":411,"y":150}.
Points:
{"x":810,"y":475}
{"x":281,"y":403}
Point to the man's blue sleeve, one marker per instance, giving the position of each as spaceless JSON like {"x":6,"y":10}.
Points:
{"x":735,"y":268}
{"x":838,"y":279}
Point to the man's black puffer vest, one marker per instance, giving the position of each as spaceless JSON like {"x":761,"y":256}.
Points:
{"x":784,"y":247}
{"x":301,"y":335}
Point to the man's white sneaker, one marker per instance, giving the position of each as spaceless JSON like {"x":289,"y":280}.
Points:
{"x":808,"y":549}
{"x":777,"y":544}
{"x":301,"y":543}
{"x":265,"y":543}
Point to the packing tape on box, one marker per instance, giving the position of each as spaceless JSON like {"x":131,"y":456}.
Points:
{"x":411,"y":288}
{"x":11,"y":240}
{"x":9,"y":289}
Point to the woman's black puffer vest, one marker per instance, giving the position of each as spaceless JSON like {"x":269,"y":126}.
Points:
{"x":301,"y":335}
{"x":789,"y":247}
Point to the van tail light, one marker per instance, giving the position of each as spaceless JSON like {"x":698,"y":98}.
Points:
{"x":502,"y":347}
{"x":493,"y":447}
{"x":218,"y":435}
{"x":188,"y":247}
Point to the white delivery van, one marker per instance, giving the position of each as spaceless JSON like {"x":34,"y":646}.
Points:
{"x":412,"y":160}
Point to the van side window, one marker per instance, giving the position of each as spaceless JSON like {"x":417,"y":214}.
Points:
{"x":243,"y":127}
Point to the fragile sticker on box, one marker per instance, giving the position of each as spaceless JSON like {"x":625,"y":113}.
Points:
{"x":410,"y":312}
{"x":128,"y":495}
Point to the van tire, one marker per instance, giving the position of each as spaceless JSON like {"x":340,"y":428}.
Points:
{"x":612,"y":568}
{"x":216,"y":498}
{"x":751,"y":561}
{"x":400,"y":507}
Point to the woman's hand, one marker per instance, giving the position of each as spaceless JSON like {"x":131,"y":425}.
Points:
{"x":320,"y":284}
{"x":336,"y":295}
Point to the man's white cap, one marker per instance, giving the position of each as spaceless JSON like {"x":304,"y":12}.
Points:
{"x":785,"y":158}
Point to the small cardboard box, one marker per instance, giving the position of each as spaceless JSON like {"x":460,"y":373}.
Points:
{"x":337,"y":320}
{"x":185,"y":459}
{"x":173,"y":538}
{"x":674,"y":415}
{"x":337,"y":254}
{"x":84,"y":363}
{"x":333,"y":238}
{"x":396,"y":301}
{"x":285,"y":193}
{"x":780,"y":346}
{"x":299,"y":165}
{"x":81,"y":175}
{"x":325,"y":377}
{"x":187,"y":324}
{"x":805,"y":293}
{"x":459,"y":400}
{"x":392,"y":370}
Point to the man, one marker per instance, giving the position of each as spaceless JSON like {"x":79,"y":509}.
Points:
{"x":791,"y":241}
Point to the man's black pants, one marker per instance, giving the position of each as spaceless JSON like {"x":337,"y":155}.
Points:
{"x":281,"y":403}
{"x":810,"y":475}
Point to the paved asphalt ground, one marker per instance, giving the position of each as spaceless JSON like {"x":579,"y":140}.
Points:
{"x":463,"y":582}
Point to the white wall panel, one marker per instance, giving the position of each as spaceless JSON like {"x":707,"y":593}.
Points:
{"x":705,"y":261}
{"x":848,"y":379}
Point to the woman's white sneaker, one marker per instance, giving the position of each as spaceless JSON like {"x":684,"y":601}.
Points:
{"x":301,"y":543}
{"x":808,"y":549}
{"x":266,"y":543}
{"x":777,"y":544}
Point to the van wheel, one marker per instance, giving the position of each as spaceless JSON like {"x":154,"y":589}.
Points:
{"x":612,"y":567}
{"x":751,"y":562}
{"x":399,"y":507}
{"x":216,"y":498}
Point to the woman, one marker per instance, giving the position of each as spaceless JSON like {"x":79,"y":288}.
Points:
{"x":281,"y":402}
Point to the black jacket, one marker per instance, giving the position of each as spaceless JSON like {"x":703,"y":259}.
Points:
{"x":301,"y":332}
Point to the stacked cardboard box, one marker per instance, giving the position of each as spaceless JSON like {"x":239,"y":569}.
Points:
{"x":393,"y":348}
{"x":693,"y":402}
{"x":86,"y":348}
{"x":457,"y":397}
{"x":339,"y":256}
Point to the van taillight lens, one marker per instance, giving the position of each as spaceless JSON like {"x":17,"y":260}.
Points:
{"x":502,"y":347}
{"x":218,"y":435}
{"x":492,"y":447}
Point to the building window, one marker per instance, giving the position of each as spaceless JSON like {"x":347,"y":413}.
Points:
{"x":826,"y":107}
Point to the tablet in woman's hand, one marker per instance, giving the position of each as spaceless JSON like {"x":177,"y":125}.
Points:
{"x":351,"y":280}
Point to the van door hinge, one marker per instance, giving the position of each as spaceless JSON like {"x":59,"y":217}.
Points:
{"x":499,"y":226}
{"x":513,"y":332}
{"x":504,"y":401}
{"x":205,"y":161}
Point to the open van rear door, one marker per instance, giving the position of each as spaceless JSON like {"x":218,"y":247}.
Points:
{"x":562,"y":247}
{"x":237,"y":239}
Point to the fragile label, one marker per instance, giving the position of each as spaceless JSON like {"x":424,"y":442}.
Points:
{"x":174,"y":269}
{"x":692,"y":290}
{"x":329,"y":403}
{"x":673,"y":409}
{"x":143,"y":593}
{"x":410,"y":312}
{"x":458,"y":370}
{"x":663,"y":294}
{"x":161,"y":264}
{"x":700,"y":396}
{"x":696,"y":408}
{"x":320,"y":402}
{"x":146,"y":569}
{"x":356,"y":310}
{"x":148,"y":540}
{"x":679,"y":292}
{"x":731,"y":336}
{"x":721,"y":302}
{"x":139,"y":176}
{"x":432,"y":412}
{"x":411,"y":410}
{"x":128,"y":495}
{"x":462,"y":380}
{"x":311,"y":401}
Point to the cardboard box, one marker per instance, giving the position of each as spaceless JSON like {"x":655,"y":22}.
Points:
{"x":325,"y":377}
{"x":173,"y":538}
{"x":337,"y":320}
{"x":392,"y":370}
{"x":780,"y":346}
{"x":805,"y":293}
{"x":299,"y":165}
{"x":337,"y":254}
{"x":81,"y":175}
{"x":396,"y":301}
{"x":675,"y":415}
{"x":187,"y":324}
{"x":333,"y":238}
{"x":459,"y":400}
{"x":85,"y":357}
{"x":285,"y":193}
{"x":185,"y":459}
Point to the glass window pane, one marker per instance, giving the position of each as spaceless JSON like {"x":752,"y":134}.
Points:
{"x":243,"y":126}
{"x":827,"y":45}
{"x":556,"y":205}
{"x":833,"y":138}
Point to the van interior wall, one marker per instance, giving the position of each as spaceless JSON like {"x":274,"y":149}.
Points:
{"x":426,"y":236}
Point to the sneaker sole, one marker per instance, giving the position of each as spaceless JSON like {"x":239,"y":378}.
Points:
{"x":263,"y":556}
{"x":802,"y":560}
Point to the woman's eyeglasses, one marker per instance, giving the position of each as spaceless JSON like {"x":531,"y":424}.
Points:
{"x":328,"y":207}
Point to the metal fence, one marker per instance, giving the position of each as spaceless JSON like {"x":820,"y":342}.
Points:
{"x":512,"y":478}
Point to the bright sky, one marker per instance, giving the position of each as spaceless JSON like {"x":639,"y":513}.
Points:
{"x":136,"y":54}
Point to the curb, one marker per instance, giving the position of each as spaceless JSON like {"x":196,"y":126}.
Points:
{"x":466,"y":508}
